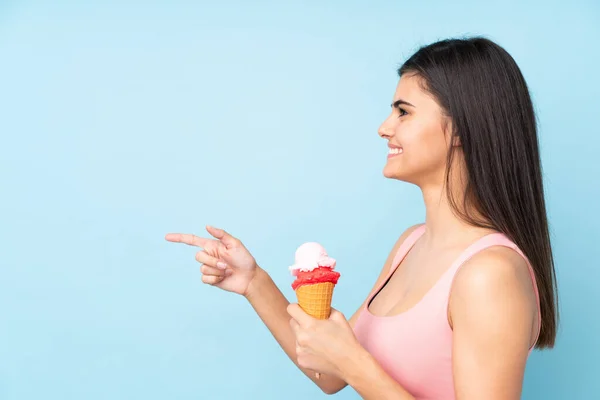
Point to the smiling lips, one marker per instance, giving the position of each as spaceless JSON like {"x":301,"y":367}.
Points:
{"x":394,"y":151}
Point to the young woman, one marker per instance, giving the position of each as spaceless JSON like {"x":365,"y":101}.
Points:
{"x":463,"y":298}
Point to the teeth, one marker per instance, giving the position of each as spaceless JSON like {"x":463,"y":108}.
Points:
{"x":395,"y":151}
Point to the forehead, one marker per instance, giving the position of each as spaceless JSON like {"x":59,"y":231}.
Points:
{"x":410,"y":88}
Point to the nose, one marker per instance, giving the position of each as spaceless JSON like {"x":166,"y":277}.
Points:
{"x":385,"y":131}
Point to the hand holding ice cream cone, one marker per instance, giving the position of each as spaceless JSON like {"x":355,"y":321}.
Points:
{"x":324,"y":346}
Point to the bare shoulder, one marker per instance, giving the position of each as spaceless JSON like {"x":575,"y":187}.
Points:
{"x":497,"y":269}
{"x":494,"y":283}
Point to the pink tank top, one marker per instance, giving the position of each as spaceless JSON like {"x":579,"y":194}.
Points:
{"x":415,"y":347}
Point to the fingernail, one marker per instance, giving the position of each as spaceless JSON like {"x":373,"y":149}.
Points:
{"x":221,"y":264}
{"x":228,"y":272}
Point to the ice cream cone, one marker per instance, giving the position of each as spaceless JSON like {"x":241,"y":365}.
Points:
{"x":315,"y":299}
{"x":315,"y":279}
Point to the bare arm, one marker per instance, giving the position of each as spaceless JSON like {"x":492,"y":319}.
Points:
{"x":271,"y":306}
{"x":493,"y":313}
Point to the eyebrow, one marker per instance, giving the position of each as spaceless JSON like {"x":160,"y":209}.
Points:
{"x":399,"y":102}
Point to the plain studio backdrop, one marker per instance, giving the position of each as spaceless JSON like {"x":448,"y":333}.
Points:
{"x":123,"y":121}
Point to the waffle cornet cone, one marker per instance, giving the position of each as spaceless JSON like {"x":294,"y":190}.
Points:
{"x":315,"y":299}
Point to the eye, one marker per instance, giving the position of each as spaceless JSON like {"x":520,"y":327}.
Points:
{"x":401,"y":112}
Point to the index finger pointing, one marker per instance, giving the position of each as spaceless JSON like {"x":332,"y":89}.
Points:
{"x":186,"y":238}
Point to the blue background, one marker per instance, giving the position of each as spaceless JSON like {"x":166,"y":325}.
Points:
{"x":121,"y":122}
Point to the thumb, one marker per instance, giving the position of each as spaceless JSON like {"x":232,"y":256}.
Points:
{"x":228,"y":240}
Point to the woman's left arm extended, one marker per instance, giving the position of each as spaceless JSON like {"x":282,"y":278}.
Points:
{"x":492,"y":310}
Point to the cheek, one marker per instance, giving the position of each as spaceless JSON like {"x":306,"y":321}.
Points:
{"x":425,"y":150}
{"x":422,"y":140}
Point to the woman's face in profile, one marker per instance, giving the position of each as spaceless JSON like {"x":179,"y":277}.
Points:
{"x":418,"y":143}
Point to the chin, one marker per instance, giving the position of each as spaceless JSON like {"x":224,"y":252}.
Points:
{"x":391,"y":174}
{"x":392,"y":169}
{"x":399,"y":175}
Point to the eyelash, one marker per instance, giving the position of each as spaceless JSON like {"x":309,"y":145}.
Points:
{"x":401,"y":111}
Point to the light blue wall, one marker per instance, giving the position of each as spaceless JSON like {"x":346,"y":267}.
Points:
{"x":120,"y":123}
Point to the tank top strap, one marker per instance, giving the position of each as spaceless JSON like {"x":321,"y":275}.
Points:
{"x":485,"y":242}
{"x":405,"y":247}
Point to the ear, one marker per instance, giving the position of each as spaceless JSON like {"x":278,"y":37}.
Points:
{"x":448,"y":129}
{"x":456,"y":141}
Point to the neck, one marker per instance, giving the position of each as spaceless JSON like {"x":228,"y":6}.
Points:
{"x":444,"y":228}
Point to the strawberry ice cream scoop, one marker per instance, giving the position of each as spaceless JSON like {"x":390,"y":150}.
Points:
{"x":319,"y":275}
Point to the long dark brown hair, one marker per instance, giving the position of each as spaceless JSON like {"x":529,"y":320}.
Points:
{"x":483,"y":93}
